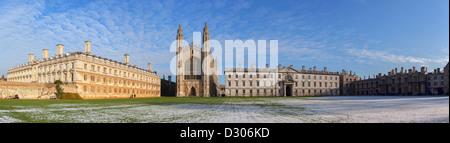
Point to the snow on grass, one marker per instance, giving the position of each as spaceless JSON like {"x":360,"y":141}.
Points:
{"x":244,"y":110}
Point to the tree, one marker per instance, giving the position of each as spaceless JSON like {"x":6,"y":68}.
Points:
{"x":59,"y":89}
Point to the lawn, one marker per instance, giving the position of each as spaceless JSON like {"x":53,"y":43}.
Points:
{"x":229,"y":110}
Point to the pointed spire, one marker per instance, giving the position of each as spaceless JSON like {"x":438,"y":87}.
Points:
{"x":206,"y":27}
{"x":179,"y":29}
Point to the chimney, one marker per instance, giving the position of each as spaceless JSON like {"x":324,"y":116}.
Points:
{"x":379,"y":74}
{"x":149,"y":66}
{"x":267,"y":66}
{"x":410,"y":71}
{"x":291,"y":66}
{"x":325,"y":69}
{"x":310,"y":69}
{"x":350,"y":72}
{"x":389,"y":73}
{"x":303,"y":67}
{"x":438,"y":70}
{"x":279,"y":66}
{"x":414,"y":69}
{"x":87,"y":47}
{"x":127,"y":59}
{"x":422,"y":69}
{"x":59,"y":49}
{"x":170,"y":78}
{"x":435,"y":71}
{"x":30,"y":58}
{"x":45,"y":54}
{"x":396,"y":70}
{"x":164,"y":76}
{"x":315,"y":68}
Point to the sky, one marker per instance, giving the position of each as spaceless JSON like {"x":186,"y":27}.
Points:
{"x":365,"y":36}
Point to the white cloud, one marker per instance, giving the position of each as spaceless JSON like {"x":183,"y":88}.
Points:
{"x":371,"y":56}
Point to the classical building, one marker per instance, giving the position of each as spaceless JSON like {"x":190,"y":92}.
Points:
{"x":196,"y":68}
{"x":281,"y":81}
{"x":345,"y":81}
{"x":435,"y":82}
{"x":405,"y":82}
{"x":446,"y":74}
{"x":90,"y":75}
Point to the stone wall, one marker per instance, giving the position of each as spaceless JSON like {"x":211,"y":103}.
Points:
{"x":26,"y":90}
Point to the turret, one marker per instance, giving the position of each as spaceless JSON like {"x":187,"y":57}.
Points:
{"x":87,"y":47}
{"x":30,"y":58}
{"x":127,"y":59}
{"x":44,"y":54}
{"x":59,"y":49}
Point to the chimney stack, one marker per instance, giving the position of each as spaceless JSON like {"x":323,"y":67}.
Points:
{"x":315,"y":68}
{"x":422,"y":69}
{"x":350,"y":72}
{"x":267,"y":66}
{"x":87,"y":47}
{"x":325,"y":69}
{"x":170,"y":78}
{"x":414,"y":69}
{"x":279,"y":66}
{"x":438,"y":70}
{"x":150,"y":67}
{"x":292,"y":66}
{"x":59,"y":49}
{"x":396,"y":70}
{"x":127,"y":59}
{"x":30,"y":58}
{"x":164,"y":77}
{"x":303,"y":67}
{"x":45,"y":54}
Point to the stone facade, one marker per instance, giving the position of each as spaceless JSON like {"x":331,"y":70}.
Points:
{"x":193,"y":79}
{"x":345,"y":81}
{"x":281,"y":81}
{"x":26,"y":90}
{"x":409,"y":82}
{"x":446,"y":84}
{"x":92,"y":76}
{"x":435,"y":82}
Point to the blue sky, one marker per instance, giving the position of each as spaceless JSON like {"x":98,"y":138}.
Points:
{"x":365,"y":36}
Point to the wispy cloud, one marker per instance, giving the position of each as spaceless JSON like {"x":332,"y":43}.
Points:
{"x":371,"y":56}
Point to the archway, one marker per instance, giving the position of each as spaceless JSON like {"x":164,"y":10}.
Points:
{"x":288,"y":91}
{"x":192,"y":93}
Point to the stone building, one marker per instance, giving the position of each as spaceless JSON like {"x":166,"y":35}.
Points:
{"x":345,"y":81}
{"x":446,"y":74}
{"x":281,"y":81}
{"x":405,"y":82}
{"x":196,"y":69}
{"x":168,"y":88}
{"x":90,"y":75}
{"x":435,"y":82}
